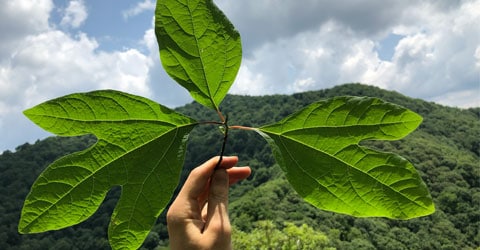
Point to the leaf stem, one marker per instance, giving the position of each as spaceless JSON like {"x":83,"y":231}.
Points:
{"x":211,"y":122}
{"x":225,"y":136}
{"x":242,"y":127}
{"x":222,"y":118}
{"x":230,"y":127}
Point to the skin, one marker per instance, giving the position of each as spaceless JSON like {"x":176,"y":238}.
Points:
{"x":198,"y":218}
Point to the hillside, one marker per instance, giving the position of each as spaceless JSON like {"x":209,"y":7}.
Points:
{"x":445,"y":150}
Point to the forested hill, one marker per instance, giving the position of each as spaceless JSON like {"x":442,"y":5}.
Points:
{"x":445,"y":150}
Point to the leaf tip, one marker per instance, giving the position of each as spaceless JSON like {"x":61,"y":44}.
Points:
{"x":28,"y":112}
{"x":23,"y":227}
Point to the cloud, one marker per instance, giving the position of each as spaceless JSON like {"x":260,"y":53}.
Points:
{"x":440,"y":57}
{"x":460,"y":99}
{"x":269,"y":20}
{"x":139,"y":8}
{"x":15,"y":25}
{"x":42,"y":63}
{"x":52,"y":63}
{"x":317,"y":45}
{"x":311,"y":60}
{"x":75,"y":14}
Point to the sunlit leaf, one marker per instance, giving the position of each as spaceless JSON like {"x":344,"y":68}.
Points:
{"x":318,"y":148}
{"x":140,"y":148}
{"x":199,"y":48}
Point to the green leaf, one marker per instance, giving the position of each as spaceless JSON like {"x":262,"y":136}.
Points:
{"x":199,"y":48}
{"x":318,"y":148}
{"x":140,"y":148}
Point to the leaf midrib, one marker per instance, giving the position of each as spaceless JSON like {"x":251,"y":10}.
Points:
{"x":151,"y":172}
{"x":283,"y":131}
{"x":94,"y":121}
{"x":200,"y":57}
{"x":312,"y":177}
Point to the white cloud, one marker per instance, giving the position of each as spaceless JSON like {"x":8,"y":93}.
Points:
{"x":311,"y":60}
{"x":477,"y":57}
{"x":42,"y":63}
{"x":302,"y":84}
{"x":19,"y":18}
{"x":249,"y":83}
{"x":54,"y":63}
{"x":13,"y":17}
{"x":440,"y":58}
{"x":269,"y":20}
{"x":75,"y":14}
{"x":139,"y":8}
{"x":436,"y":59}
{"x":460,"y":99}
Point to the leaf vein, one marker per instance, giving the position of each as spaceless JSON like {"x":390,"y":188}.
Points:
{"x":353,"y":167}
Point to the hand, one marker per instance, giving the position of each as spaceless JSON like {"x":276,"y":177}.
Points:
{"x":198,"y":218}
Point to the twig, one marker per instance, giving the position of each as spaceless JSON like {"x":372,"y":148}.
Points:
{"x":225,"y":136}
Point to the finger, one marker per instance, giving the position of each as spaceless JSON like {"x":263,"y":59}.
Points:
{"x":199,"y":177}
{"x":228,"y":161}
{"x":185,"y":207}
{"x":237,"y":174}
{"x":185,"y":212}
{"x":217,"y":221}
{"x":192,"y":196}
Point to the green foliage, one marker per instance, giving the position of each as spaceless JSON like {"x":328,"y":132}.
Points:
{"x":192,"y":34}
{"x":336,"y":173}
{"x":141,"y":144}
{"x":138,"y":141}
{"x":437,"y":149}
{"x":266,"y":236}
{"x":19,"y":170}
{"x":199,"y":48}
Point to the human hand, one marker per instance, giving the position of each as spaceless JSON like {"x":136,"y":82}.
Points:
{"x":198,"y":218}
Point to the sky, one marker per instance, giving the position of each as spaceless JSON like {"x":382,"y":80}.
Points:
{"x":423,"y":49}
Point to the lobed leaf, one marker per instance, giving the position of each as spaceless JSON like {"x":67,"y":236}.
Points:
{"x":199,"y":48}
{"x":140,"y":148}
{"x":318,"y":149}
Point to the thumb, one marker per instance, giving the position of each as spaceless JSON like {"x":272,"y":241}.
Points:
{"x":217,"y":221}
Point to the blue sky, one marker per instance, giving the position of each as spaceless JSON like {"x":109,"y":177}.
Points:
{"x":112,"y":23}
{"x":386,"y":46}
{"x":424,"y":49}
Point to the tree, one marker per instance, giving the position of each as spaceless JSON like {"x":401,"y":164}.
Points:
{"x":267,"y":236}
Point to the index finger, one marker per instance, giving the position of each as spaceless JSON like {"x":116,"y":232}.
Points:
{"x":198,"y":179}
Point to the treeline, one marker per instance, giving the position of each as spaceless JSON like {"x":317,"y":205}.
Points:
{"x":264,"y":209}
